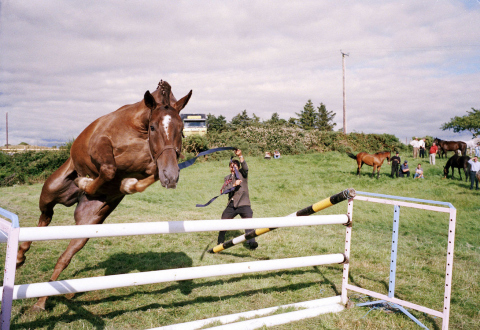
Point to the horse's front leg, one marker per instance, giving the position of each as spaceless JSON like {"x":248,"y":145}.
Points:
{"x":90,"y":186}
{"x":374,"y":169}
{"x":103,"y":156}
{"x":132,"y":185}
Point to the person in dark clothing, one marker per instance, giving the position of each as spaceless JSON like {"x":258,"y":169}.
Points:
{"x":404,"y":170}
{"x":395,"y":160}
{"x":238,"y":199}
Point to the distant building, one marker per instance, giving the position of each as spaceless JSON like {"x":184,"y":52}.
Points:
{"x":194,"y":124}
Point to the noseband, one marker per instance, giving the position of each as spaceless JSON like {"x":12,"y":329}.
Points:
{"x":169,"y":146}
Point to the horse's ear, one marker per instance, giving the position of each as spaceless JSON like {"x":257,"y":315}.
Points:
{"x":149,"y":100}
{"x":180,"y":104}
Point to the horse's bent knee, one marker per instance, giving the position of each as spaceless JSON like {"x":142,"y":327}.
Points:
{"x":107,"y":171}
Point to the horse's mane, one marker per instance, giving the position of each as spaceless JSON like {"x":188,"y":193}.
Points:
{"x":382,"y":152}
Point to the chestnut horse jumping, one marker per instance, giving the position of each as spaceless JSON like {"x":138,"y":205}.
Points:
{"x":120,"y":153}
{"x":375,"y":160}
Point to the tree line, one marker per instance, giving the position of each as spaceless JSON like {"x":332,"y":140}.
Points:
{"x":309,"y":118}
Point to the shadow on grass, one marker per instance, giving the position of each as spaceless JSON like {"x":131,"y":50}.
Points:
{"x":79,"y":310}
{"x":123,"y":263}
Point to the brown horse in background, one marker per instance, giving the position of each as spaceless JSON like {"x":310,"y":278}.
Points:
{"x":120,"y":153}
{"x":375,"y":160}
{"x":445,"y":146}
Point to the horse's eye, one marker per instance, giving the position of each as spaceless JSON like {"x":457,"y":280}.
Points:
{"x":152,"y":128}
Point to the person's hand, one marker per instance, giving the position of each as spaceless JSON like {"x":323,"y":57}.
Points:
{"x":237,"y":182}
{"x":238,"y":152}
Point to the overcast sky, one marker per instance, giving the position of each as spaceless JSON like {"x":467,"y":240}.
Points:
{"x":412,"y":65}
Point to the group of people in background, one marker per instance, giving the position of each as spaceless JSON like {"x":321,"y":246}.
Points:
{"x":419,"y":147}
{"x":276,"y":155}
{"x":402,"y":170}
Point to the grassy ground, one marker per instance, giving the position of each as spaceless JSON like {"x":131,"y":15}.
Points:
{"x":278,"y":188}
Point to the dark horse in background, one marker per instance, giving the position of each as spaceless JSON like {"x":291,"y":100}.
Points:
{"x":444,"y":146}
{"x":375,"y":160}
{"x":460,"y":162}
{"x":120,"y":153}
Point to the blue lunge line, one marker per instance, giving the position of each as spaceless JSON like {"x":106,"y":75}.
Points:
{"x":214,"y":198}
{"x":189,"y":162}
{"x":237,"y":177}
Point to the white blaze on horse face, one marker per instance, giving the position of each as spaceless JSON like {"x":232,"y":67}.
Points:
{"x":166,"y":124}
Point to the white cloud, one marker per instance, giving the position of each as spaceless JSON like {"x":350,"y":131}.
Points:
{"x":412,"y":65}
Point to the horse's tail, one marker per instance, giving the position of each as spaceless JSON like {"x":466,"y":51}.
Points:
{"x":352,"y":155}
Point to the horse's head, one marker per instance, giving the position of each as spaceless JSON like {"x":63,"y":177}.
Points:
{"x":445,"y":171}
{"x":165,"y":129}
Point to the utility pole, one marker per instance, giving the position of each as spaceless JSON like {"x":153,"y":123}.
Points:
{"x":344,"y":94}
{"x":7,"y":130}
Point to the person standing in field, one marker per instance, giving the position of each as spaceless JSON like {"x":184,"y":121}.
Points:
{"x":433,"y":152}
{"x":238,"y":198}
{"x":416,"y":145}
{"x":474,"y":168}
{"x":422,"y":148}
{"x":395,"y":160}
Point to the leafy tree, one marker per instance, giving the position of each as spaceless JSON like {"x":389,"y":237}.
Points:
{"x":470,"y":122}
{"x":292,"y":122}
{"x":256,"y":121}
{"x":324,"y":119}
{"x":307,"y":117}
{"x":241,"y":120}
{"x":218,"y":124}
{"x":275,"y":120}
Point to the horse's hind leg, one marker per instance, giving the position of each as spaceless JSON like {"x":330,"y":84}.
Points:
{"x":58,"y":189}
{"x":89,"y":211}
{"x":359,"y":167}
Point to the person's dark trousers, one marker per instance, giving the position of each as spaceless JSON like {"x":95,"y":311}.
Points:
{"x":231,"y":212}
{"x":402,"y":174}
{"x":394,"y":170}
{"x":422,"y":152}
{"x":473,"y":178}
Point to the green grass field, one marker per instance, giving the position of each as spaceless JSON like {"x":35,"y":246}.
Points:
{"x":277,"y":188}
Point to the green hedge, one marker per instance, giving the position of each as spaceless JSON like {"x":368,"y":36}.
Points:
{"x":30,"y":166}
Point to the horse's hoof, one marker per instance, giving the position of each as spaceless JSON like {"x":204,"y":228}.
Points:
{"x":38,"y":308}
{"x":70,"y":296}
{"x":82,"y":183}
{"x":128,"y":186}
{"x":20,"y":263}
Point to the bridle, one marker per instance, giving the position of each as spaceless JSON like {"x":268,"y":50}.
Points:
{"x":150,"y":148}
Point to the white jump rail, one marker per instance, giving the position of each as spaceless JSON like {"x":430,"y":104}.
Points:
{"x":34,"y":290}
{"x":14,"y":234}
